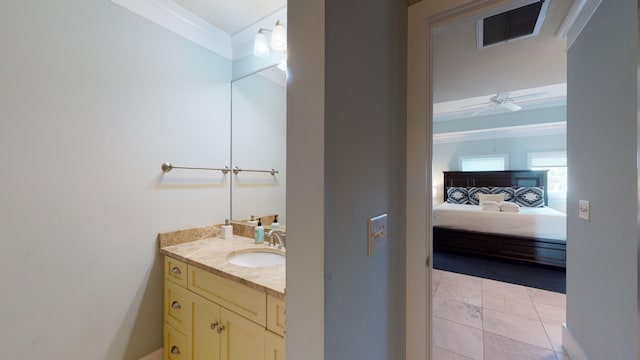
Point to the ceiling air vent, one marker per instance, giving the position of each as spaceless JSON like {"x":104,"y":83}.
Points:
{"x":518,"y":23}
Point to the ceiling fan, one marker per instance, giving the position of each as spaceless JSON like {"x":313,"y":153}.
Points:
{"x":502,"y":99}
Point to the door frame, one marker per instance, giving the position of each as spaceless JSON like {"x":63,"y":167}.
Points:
{"x":423,"y":18}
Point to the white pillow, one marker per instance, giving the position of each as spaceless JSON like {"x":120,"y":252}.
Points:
{"x":491,"y":197}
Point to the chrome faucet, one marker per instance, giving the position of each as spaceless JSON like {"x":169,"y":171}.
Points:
{"x":273,"y":235}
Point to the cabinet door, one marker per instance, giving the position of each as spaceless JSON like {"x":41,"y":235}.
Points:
{"x":241,"y":339}
{"x":205,"y":340}
{"x":274,"y":346}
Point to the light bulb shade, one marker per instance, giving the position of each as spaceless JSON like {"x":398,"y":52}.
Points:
{"x":279,"y":37}
{"x":261,"y":45}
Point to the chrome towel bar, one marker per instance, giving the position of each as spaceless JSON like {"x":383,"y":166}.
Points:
{"x":166,"y":167}
{"x":236,"y":170}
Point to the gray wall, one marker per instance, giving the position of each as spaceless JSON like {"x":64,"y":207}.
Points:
{"x":602,"y":142}
{"x":365,"y":142}
{"x":92,"y":100}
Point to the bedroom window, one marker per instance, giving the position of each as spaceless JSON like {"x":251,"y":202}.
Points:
{"x":493,"y":162}
{"x":556,"y":163}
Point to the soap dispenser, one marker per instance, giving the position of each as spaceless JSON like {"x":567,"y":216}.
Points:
{"x":275,"y":224}
{"x":253,"y":220}
{"x":259,"y":233}
{"x":226,"y":230}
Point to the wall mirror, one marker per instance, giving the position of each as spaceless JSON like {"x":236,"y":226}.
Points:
{"x":258,"y":145}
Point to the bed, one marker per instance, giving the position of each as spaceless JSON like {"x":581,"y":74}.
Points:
{"x":534,"y":234}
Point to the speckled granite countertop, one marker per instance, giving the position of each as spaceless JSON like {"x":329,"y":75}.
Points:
{"x":211,"y":254}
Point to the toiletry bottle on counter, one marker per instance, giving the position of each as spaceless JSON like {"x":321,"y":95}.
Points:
{"x":253,"y":220}
{"x":226,"y":230}
{"x":259,"y":233}
{"x":275,"y":224}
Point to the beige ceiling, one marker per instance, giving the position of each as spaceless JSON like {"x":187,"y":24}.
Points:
{"x":232,"y":16}
{"x":462,"y":71}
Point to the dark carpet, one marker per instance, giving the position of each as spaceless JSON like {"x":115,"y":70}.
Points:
{"x":537,"y":276}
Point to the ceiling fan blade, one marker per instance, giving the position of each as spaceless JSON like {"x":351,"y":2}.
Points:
{"x":472,"y":105}
{"x":528,"y":96}
{"x":511,"y":106}
{"x":482,"y":110}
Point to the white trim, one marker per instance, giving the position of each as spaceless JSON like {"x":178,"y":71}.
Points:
{"x":579,"y":14}
{"x":156,"y":355}
{"x":176,"y":19}
{"x":571,"y":345}
{"x":552,"y":128}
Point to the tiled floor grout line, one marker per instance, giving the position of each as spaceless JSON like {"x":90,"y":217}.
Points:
{"x":543,"y":303}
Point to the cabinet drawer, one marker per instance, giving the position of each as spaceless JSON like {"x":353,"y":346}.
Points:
{"x":175,"y":344}
{"x":177,"y":309}
{"x":175,"y":270}
{"x":276,"y":315}
{"x":248,"y":302}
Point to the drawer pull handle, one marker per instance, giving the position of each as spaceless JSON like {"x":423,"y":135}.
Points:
{"x":176,"y":305}
{"x":176,"y":271}
{"x":175,"y":350}
{"x":220,"y":329}
{"x":214,"y":325}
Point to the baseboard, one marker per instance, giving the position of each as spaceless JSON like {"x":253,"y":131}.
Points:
{"x":571,"y":345}
{"x":156,"y":355}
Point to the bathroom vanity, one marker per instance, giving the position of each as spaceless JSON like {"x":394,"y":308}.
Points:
{"x":215,"y":309}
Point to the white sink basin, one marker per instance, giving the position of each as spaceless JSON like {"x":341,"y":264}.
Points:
{"x":257,"y":258}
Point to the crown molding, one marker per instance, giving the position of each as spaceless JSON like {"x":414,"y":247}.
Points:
{"x":176,"y":19}
{"x":578,"y":16}
{"x":552,"y":128}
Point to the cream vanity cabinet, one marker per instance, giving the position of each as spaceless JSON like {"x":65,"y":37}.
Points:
{"x":209,"y":317}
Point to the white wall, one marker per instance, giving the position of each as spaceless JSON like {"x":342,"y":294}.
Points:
{"x":92,"y":100}
{"x":602,"y":141}
{"x":305,"y":179}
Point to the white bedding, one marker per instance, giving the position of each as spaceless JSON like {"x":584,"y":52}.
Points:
{"x":540,"y":222}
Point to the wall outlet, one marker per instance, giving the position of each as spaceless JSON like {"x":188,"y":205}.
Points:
{"x":584,"y":210}
{"x":377,"y":234}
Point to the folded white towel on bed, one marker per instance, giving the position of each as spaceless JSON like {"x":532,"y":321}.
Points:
{"x":490,"y":206}
{"x":508,"y":206}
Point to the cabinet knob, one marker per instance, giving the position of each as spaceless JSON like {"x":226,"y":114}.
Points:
{"x":175,"y":350}
{"x":220,"y":329}
{"x":214,"y":325}
{"x":176,"y":271}
{"x":176,"y":305}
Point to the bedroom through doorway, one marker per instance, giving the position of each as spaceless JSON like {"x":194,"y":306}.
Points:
{"x":499,"y":182}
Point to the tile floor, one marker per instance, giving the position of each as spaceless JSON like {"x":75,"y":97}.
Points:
{"x":476,"y":318}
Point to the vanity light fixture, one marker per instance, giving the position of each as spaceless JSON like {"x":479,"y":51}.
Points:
{"x":261,"y":45}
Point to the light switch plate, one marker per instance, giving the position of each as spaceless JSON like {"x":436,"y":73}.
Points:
{"x":377,"y":234}
{"x":584,"y":210}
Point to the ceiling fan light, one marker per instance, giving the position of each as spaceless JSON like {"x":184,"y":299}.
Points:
{"x":279,"y":37}
{"x":261,"y":45}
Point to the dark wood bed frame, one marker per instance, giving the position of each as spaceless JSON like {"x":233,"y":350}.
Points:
{"x":534,"y":250}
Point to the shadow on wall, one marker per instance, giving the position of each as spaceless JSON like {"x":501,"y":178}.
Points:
{"x":134,"y":331}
